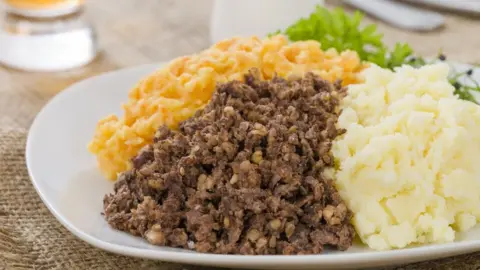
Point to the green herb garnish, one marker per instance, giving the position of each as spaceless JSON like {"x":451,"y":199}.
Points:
{"x":337,"y":29}
{"x":463,"y":90}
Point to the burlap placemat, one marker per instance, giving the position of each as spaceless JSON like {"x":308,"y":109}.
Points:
{"x":31,"y":238}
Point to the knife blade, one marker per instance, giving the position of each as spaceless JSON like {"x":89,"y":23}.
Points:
{"x":400,"y":15}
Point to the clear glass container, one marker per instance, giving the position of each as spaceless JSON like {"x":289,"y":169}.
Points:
{"x":46,"y":35}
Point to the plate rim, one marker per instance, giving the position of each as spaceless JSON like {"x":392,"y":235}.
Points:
{"x":371,"y":257}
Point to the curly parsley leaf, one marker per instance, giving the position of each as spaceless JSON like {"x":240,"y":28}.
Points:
{"x":337,"y":29}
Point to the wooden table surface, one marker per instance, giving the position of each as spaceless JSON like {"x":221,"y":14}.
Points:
{"x":136,"y":32}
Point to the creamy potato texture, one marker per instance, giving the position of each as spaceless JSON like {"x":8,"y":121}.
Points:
{"x":408,"y":165}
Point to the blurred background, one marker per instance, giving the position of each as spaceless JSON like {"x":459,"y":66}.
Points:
{"x":121,"y":33}
{"x":133,"y":32}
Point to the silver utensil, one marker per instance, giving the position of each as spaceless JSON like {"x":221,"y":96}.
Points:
{"x":400,"y":15}
{"x":470,"y":6}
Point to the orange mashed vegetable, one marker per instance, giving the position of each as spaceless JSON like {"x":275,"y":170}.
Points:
{"x":176,"y":91}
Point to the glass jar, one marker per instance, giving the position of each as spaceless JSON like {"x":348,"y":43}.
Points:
{"x":46,"y":35}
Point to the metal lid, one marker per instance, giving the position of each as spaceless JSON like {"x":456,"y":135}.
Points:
{"x":33,"y":8}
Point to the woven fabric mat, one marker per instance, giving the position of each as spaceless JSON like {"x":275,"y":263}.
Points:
{"x":30,"y":237}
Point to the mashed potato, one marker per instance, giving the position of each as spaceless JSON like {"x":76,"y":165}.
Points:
{"x":185,"y":85}
{"x":408,"y":165}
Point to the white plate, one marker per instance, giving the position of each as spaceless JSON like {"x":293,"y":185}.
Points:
{"x":67,"y":180}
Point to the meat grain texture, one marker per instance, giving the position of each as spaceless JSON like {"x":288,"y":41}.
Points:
{"x":243,"y":176}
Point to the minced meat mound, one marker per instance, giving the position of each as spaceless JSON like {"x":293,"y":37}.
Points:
{"x":243,"y":176}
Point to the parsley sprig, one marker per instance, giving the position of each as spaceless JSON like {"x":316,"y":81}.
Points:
{"x":337,"y":29}
{"x":463,"y":81}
